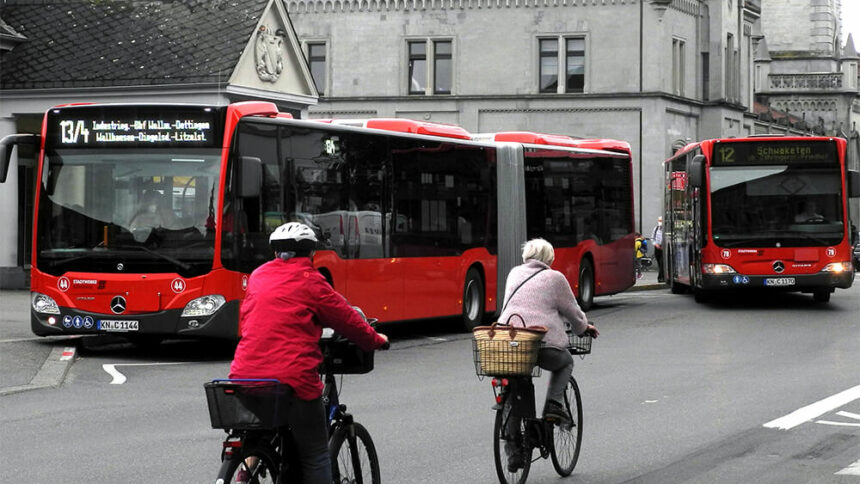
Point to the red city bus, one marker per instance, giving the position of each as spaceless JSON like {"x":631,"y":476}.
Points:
{"x":581,"y":201}
{"x":759,"y":212}
{"x":149,"y":218}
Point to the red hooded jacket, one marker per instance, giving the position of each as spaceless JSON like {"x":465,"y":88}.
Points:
{"x":286,"y":306}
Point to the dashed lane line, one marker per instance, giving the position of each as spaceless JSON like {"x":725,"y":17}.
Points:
{"x":852,"y":470}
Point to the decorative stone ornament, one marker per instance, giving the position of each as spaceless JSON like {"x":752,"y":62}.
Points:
{"x":269,"y":53}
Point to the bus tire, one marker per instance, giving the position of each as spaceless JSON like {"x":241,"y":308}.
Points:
{"x":585,"y":298}
{"x":473,"y":299}
{"x":821,"y":295}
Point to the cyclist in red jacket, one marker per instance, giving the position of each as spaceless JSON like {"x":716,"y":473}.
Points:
{"x":286,"y":306}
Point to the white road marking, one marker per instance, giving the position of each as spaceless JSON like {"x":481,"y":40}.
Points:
{"x":842,"y":424}
{"x":119,"y":378}
{"x":814,"y":410}
{"x":852,"y":470}
{"x":434,"y":338}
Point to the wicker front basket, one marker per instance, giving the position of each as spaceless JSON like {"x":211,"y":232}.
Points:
{"x":502,"y":350}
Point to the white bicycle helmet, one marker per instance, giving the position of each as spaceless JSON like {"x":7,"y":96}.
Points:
{"x":293,"y":237}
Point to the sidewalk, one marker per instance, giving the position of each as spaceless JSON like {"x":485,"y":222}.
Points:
{"x":29,"y":362}
{"x":648,"y":282}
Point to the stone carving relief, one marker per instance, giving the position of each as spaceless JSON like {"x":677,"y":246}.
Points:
{"x":269,"y":53}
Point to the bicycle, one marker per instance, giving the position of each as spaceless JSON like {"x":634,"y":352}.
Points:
{"x":515,"y":398}
{"x":258,"y":442}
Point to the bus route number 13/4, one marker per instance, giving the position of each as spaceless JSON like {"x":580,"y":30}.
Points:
{"x":72,"y":130}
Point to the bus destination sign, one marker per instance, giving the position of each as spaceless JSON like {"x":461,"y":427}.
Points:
{"x":106,"y":126}
{"x":775,"y":153}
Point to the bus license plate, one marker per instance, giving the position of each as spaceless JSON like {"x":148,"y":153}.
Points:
{"x":117,"y":325}
{"x":779,"y":281}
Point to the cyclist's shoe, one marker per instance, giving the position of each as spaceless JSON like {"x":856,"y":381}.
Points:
{"x":243,"y":477}
{"x":553,"y":412}
{"x":515,"y":462}
{"x":515,"y":457}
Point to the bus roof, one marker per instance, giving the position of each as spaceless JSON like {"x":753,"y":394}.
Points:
{"x":529,"y":137}
{"x":750,"y":139}
{"x":403,"y":125}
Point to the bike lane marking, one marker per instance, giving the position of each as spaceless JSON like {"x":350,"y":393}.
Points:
{"x":119,"y":378}
{"x":809,"y":412}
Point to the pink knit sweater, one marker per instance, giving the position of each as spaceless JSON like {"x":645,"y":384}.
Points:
{"x":544,"y":300}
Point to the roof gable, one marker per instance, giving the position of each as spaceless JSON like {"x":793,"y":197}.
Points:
{"x":273,"y":58}
{"x":125,"y":43}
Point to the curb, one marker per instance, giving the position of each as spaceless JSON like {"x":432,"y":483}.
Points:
{"x":51,"y":374}
{"x":648,"y":287}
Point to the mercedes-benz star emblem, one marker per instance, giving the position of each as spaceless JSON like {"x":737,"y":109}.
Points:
{"x":117,"y":304}
{"x":778,"y":267}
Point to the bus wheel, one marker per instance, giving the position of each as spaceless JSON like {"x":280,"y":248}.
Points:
{"x":473,"y":300}
{"x":586,"y":285}
{"x":821,"y":295}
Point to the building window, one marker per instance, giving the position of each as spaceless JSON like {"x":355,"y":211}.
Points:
{"x":417,"y":67}
{"x":562,"y":58}
{"x":575,"y":63}
{"x":548,"y":65}
{"x":678,"y":67}
{"x":442,"y":67}
{"x":317,"y":64}
{"x":426,"y":78}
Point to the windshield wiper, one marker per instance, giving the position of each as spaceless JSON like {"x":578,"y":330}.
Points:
{"x":182,"y":265}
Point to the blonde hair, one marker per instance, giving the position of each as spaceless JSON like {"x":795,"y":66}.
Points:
{"x":539,"y":250}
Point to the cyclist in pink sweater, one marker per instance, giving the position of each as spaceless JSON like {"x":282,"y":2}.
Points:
{"x":542,"y":297}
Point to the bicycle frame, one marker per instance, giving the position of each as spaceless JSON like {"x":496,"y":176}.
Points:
{"x":519,"y":393}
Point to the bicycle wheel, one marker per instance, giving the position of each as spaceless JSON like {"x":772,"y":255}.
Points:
{"x":355,"y":462}
{"x":501,"y":457}
{"x":567,"y":437}
{"x":260,"y":463}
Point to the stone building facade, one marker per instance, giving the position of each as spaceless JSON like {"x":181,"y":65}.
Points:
{"x":656,"y":73}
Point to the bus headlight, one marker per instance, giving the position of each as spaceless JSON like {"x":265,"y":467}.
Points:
{"x":717,"y":269}
{"x":203,"y":306}
{"x":44,"y":304}
{"x":837,"y":267}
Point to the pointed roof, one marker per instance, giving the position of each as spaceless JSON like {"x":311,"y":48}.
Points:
{"x":849,"y":52}
{"x":761,"y":52}
{"x":126,"y":43}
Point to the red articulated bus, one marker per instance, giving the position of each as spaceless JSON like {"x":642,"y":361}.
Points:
{"x":760,"y":212}
{"x":150,"y":218}
{"x":580,"y":200}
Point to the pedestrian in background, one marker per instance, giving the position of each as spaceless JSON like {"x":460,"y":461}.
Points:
{"x":657,"y":238}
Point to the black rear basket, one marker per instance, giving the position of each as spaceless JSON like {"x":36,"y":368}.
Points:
{"x":247,"y":405}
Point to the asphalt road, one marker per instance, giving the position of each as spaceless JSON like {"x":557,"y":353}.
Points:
{"x":673,"y":392}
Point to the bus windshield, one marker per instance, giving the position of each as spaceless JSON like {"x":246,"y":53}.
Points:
{"x":776,"y":205}
{"x":128,"y":210}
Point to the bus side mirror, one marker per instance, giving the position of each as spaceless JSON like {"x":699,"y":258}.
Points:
{"x":7,"y":144}
{"x":696,"y":171}
{"x":853,"y":183}
{"x":250,"y":176}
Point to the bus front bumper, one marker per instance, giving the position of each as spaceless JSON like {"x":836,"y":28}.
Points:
{"x":791,"y":282}
{"x":169,"y":323}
